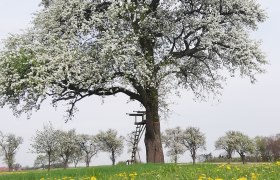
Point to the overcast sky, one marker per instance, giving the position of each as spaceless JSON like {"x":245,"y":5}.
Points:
{"x":251,"y":109}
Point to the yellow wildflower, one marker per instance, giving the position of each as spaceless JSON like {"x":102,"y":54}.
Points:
{"x":93,"y":178}
{"x":122,"y":174}
{"x":218,"y":179}
{"x":242,"y":178}
{"x":202,"y":176}
{"x":228,"y":167}
{"x":133,"y":174}
{"x":253,"y":176}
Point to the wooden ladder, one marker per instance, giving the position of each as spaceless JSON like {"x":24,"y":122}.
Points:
{"x":140,"y":128}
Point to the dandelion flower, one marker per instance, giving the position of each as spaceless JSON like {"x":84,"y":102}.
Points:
{"x":242,"y":178}
{"x":93,"y":178}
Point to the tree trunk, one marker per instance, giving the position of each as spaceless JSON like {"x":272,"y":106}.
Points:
{"x":113,"y":158}
{"x":175,"y":159}
{"x":87,"y":162}
{"x":154,"y":152}
{"x":242,"y":158}
{"x":229,"y":159}
{"x":176,"y":156}
{"x":49,"y":159}
{"x":76,"y":161}
{"x":10,"y":166}
{"x":193,"y":153}
{"x":229,"y":156}
{"x":65,"y":165}
{"x":87,"y":159}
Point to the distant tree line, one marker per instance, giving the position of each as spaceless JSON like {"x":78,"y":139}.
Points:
{"x":258,"y":149}
{"x":58,"y":148}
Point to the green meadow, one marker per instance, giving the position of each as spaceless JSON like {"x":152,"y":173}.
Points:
{"x":154,"y":171}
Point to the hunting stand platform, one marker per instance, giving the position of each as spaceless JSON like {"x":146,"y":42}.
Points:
{"x":140,"y":128}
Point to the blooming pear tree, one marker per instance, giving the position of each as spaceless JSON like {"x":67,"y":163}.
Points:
{"x":88,"y":146}
{"x":111,"y":143}
{"x":45,"y":142}
{"x":244,"y":145}
{"x":193,"y":140}
{"x":77,"y":156}
{"x":67,"y":145}
{"x":235,"y":141}
{"x":9,"y":145}
{"x":141,"y":48}
{"x":171,"y":138}
{"x":227,"y":143}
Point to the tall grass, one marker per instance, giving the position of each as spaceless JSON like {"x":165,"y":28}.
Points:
{"x":155,"y":171}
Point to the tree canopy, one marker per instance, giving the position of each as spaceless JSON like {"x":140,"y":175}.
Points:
{"x":81,"y":48}
{"x":142,"y":48}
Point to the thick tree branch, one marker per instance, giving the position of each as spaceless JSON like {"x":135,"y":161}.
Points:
{"x":76,"y":95}
{"x":154,"y":4}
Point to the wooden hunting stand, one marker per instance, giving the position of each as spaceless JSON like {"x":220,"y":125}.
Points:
{"x":140,"y":128}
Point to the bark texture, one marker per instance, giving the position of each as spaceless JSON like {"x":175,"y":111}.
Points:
{"x":154,"y":152}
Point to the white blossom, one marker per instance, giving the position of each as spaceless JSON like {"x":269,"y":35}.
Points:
{"x":76,"y":48}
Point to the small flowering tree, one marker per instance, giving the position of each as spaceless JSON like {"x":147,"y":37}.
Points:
{"x":67,"y":145}
{"x":235,"y":141}
{"x":171,"y":138}
{"x":193,"y":140}
{"x":89,"y":147}
{"x":111,"y":143}
{"x":77,"y":156}
{"x":141,"y":48}
{"x":9,"y":145}
{"x":227,"y":143}
{"x":244,"y":145}
{"x":46,"y":142}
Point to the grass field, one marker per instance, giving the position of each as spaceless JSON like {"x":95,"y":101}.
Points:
{"x":155,"y":171}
